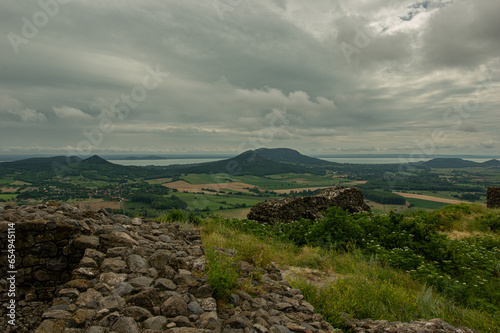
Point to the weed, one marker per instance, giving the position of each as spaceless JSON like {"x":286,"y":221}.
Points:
{"x":222,"y":275}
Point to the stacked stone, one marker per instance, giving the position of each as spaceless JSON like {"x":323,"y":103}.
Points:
{"x":493,"y":197}
{"x":137,"y":275}
{"x":294,"y":209}
{"x":430,"y":326}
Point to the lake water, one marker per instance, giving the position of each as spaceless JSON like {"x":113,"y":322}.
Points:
{"x":351,"y":160}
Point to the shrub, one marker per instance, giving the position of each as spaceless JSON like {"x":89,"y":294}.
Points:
{"x":222,"y":275}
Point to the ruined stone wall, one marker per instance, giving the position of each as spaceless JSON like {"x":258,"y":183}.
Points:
{"x":493,"y":200}
{"x":45,"y":252}
{"x":294,"y":209}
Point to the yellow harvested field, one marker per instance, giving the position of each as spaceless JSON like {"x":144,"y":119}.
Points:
{"x":357,"y":182}
{"x":430,"y":198}
{"x":8,"y":189}
{"x":182,"y":186}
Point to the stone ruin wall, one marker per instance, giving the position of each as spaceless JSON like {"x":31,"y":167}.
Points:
{"x":493,"y":197}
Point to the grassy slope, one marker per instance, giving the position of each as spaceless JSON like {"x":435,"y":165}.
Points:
{"x":362,"y":287}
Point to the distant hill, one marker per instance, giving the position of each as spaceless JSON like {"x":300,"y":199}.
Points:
{"x":250,"y":162}
{"x":492,"y":163}
{"x":286,"y":155}
{"x":40,"y":163}
{"x":459,"y":163}
{"x":96,"y":160}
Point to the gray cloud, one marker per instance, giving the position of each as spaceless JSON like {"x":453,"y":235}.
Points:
{"x":274,"y":72}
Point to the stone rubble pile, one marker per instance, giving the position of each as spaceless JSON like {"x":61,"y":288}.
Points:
{"x":294,"y":209}
{"x":134,"y":275}
{"x":84,"y":271}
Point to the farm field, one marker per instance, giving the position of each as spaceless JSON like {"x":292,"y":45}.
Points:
{"x":7,"y":196}
{"x":430,"y":198}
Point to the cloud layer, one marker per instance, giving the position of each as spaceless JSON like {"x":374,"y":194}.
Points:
{"x":350,"y":76}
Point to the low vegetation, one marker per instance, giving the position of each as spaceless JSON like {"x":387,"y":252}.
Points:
{"x":392,"y":267}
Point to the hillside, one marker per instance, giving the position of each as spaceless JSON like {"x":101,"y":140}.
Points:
{"x":459,"y":163}
{"x":286,"y":155}
{"x":40,"y":163}
{"x":248,"y":163}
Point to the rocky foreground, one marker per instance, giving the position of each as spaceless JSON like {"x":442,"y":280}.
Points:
{"x":84,"y":271}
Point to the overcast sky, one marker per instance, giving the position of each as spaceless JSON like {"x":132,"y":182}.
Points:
{"x":188,"y":76}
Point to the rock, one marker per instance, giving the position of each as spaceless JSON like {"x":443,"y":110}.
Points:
{"x":84,"y":242}
{"x":208,"y":304}
{"x":114,"y":265}
{"x":89,"y":299}
{"x":139,"y":314}
{"x":141,"y":282}
{"x":94,"y":254}
{"x":56,"y":314}
{"x":121,"y":219}
{"x":239,"y":321}
{"x":203,"y":291}
{"x":294,"y":209}
{"x":112,"y":279}
{"x":156,"y":323}
{"x":174,"y":306}
{"x":147,"y":299}
{"x":279,"y":329}
{"x":136,"y":221}
{"x":125,"y":325}
{"x":181,"y":321}
{"x":122,"y":289}
{"x":51,"y":326}
{"x":109,"y":319}
{"x":136,"y":263}
{"x":195,"y":308}
{"x":69,"y":292}
{"x":79,"y":284}
{"x":165,"y":284}
{"x":82,"y":316}
{"x":186,"y":278}
{"x":112,"y":303}
{"x":260,"y":329}
{"x":88,"y":262}
{"x":119,"y":251}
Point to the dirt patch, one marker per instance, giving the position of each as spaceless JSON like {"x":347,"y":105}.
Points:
{"x":314,"y":276}
{"x":182,"y":186}
{"x":430,"y":198}
{"x":8,"y":189}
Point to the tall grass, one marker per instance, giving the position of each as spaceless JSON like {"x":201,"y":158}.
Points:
{"x":364,"y":286}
